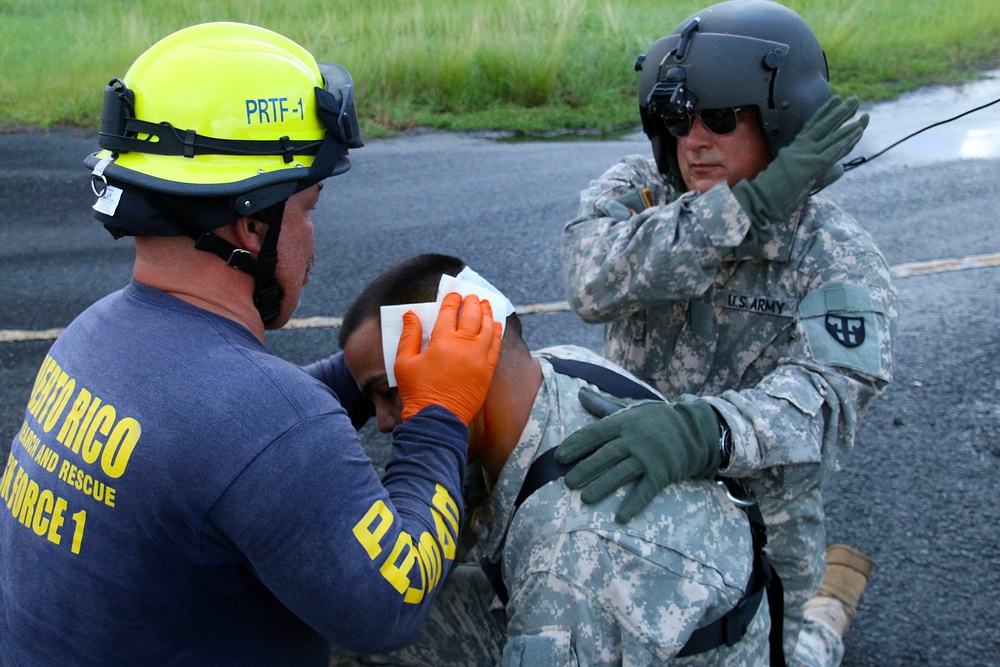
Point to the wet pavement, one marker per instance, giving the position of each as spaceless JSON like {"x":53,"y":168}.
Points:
{"x":976,"y":135}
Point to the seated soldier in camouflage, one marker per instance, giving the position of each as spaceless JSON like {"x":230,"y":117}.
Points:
{"x":583,"y":589}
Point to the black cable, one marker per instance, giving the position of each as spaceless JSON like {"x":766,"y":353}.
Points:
{"x":858,"y":161}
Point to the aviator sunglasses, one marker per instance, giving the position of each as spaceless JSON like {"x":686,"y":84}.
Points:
{"x":717,"y":121}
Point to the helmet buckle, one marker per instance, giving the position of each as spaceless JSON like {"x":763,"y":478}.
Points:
{"x":241,"y":259}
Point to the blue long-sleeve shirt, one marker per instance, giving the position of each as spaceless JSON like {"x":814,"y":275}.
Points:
{"x":177,"y":494}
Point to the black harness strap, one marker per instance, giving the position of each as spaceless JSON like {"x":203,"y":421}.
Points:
{"x":543,"y":470}
{"x":729,"y":629}
{"x":603,"y":378}
{"x":724,"y":631}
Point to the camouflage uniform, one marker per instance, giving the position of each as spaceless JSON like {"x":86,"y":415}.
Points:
{"x":584,"y":589}
{"x":790,"y":342}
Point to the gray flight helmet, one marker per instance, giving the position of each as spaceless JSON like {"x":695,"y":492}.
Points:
{"x":739,"y":53}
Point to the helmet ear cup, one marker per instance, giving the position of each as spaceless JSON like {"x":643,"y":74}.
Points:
{"x":740,"y":53}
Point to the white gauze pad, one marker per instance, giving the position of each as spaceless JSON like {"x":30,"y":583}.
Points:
{"x":467,"y":282}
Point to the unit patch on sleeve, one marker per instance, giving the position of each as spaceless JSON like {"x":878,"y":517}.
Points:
{"x":840,"y":325}
{"x":848,"y":331}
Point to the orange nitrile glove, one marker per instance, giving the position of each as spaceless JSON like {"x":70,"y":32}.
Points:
{"x":456,"y":369}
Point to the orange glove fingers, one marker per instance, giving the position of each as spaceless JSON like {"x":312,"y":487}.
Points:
{"x":453,"y":306}
{"x":456,"y":369}
{"x":411,"y":337}
{"x":471,"y":319}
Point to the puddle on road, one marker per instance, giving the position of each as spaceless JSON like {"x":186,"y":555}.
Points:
{"x":976,"y":135}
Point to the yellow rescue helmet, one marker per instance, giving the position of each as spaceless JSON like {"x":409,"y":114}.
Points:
{"x":227,"y":109}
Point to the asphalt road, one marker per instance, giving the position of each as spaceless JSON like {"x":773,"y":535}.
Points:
{"x":919,"y":494}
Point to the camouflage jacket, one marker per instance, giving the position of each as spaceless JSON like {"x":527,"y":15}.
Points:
{"x":790,"y":343}
{"x":587,"y":590}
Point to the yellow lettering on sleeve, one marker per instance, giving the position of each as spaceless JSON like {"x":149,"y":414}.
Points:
{"x":428,"y":552}
{"x":405,"y":555}
{"x":447,"y":510}
{"x":368,"y":537}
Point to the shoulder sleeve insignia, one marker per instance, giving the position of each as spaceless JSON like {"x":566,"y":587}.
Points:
{"x":848,"y":331}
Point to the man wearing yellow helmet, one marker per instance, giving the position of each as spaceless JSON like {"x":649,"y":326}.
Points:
{"x":177,"y":494}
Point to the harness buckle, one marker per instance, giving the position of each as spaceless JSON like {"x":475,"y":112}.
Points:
{"x":737,"y":491}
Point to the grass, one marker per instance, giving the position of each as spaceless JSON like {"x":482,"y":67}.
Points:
{"x":526,"y":66}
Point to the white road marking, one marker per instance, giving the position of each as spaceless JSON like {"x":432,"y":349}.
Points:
{"x":898,"y":271}
{"x":944,"y":265}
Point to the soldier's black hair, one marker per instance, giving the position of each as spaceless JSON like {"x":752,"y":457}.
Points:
{"x":413,"y":280}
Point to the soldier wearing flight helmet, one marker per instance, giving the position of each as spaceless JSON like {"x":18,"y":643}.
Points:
{"x":724,"y":280}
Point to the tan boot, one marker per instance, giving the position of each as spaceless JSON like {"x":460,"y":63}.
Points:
{"x":846,"y":575}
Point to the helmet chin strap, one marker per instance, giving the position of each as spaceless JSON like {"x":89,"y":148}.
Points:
{"x":267,"y":294}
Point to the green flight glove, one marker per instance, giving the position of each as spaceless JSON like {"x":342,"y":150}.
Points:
{"x":812,"y":159}
{"x":653,"y":444}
